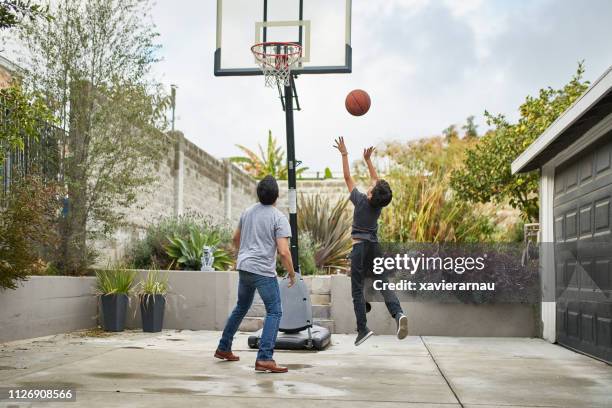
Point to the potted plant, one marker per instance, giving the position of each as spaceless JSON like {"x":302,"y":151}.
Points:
{"x":114,"y":286}
{"x":152,"y":295}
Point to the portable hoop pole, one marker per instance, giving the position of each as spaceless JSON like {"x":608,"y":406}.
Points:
{"x":291,"y":164}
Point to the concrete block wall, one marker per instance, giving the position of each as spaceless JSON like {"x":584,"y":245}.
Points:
{"x":191,"y":180}
{"x":188,"y":180}
{"x":332,"y":189}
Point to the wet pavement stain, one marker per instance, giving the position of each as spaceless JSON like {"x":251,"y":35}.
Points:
{"x":126,"y":376}
{"x":197,"y":378}
{"x":297,"y":366}
{"x":146,"y":376}
{"x":56,"y":384}
{"x":266,"y":385}
{"x":170,"y":390}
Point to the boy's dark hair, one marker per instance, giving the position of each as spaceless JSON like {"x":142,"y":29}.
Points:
{"x":381,"y":194}
{"x":267,"y":190}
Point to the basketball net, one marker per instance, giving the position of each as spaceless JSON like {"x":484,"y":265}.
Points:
{"x":276,"y":60}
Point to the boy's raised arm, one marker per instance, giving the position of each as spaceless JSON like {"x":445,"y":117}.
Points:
{"x":367,"y":154}
{"x":339,"y":144}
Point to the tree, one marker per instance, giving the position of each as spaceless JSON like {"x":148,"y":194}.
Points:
{"x":28,"y":224}
{"x":424,"y":207}
{"x":91,"y":62}
{"x":486,"y":174}
{"x":13,"y":12}
{"x":450,"y":133}
{"x":471,"y":129}
{"x":269,"y":162}
{"x":20,"y":117}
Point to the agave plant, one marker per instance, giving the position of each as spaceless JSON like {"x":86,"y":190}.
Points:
{"x":329,"y":226}
{"x":188,"y":252}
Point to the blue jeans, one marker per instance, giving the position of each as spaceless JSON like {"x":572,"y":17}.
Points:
{"x":270,"y":294}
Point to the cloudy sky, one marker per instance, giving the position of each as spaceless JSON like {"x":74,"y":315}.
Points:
{"x":426,"y":64}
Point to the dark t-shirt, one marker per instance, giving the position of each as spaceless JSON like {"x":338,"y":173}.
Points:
{"x":365,"y":217}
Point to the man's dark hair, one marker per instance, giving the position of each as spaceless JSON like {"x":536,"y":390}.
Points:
{"x":381,"y":194}
{"x":267,"y":190}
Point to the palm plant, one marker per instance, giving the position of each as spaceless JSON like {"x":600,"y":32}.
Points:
{"x":269,"y":162}
{"x":188,"y":252}
{"x":329,"y":226}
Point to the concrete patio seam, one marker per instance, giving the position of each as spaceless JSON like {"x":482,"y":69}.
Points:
{"x":442,"y":373}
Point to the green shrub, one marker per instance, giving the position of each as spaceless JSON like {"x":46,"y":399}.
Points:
{"x":150,"y":251}
{"x":188,"y":252}
{"x":28,"y":230}
{"x":306,"y":254}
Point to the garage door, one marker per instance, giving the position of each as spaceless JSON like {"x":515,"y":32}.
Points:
{"x":583,"y":250}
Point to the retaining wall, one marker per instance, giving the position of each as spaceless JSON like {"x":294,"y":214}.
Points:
{"x":47,"y":305}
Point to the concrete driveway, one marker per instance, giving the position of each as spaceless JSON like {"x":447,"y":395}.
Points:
{"x":176,"y":369}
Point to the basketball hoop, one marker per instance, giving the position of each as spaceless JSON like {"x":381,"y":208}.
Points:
{"x":276,"y":60}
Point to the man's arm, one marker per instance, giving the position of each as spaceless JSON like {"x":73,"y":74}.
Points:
{"x":282,"y":246}
{"x":236,"y":239}
{"x":367,"y":154}
{"x":346,"y":170}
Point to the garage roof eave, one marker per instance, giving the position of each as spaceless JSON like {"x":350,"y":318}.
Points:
{"x":530,"y":159}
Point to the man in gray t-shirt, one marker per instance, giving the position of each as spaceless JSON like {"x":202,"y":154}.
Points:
{"x":262,"y":232}
{"x":260,"y":226}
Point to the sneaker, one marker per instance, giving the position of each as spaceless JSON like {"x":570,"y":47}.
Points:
{"x":363,"y":336}
{"x":402,"y":326}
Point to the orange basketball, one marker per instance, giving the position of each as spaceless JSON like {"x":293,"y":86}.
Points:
{"x":357,"y":102}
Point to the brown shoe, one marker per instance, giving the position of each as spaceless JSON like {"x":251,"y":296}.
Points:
{"x":226,"y":355}
{"x":269,"y":366}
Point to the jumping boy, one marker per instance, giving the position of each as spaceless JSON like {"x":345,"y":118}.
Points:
{"x":365,"y":242}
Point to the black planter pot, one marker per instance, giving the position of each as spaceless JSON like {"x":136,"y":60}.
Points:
{"x":114,"y":309}
{"x":152,"y":312}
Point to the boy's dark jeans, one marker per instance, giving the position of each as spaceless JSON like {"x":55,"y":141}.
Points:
{"x":362,"y":258}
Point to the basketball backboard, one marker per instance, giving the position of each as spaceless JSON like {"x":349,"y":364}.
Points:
{"x":321,"y":27}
